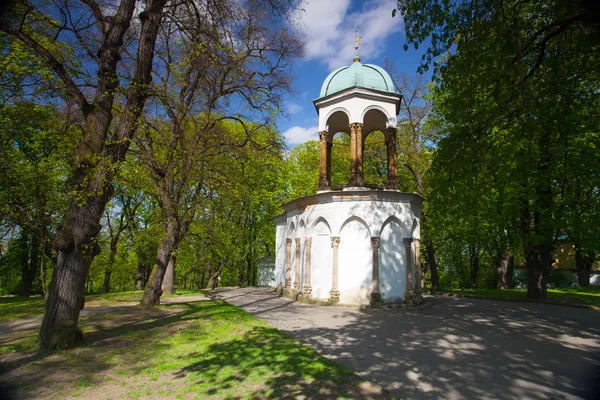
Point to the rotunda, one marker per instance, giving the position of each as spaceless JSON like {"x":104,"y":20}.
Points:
{"x":355,"y":244}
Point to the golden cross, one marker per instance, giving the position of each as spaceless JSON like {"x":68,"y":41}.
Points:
{"x":357,"y":43}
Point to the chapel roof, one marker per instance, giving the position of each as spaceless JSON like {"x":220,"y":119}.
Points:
{"x":366,"y":76}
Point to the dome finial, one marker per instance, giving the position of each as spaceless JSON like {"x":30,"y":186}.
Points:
{"x":357,"y":43}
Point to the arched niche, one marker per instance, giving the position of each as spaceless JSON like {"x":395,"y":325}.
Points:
{"x":321,"y":259}
{"x":392,"y":264}
{"x":375,"y":159}
{"x":302,"y":235}
{"x":374,"y":119}
{"x":355,"y":261}
{"x":337,"y":121}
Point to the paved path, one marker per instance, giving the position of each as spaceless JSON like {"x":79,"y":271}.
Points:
{"x":450,"y":348}
{"x":34,"y":322}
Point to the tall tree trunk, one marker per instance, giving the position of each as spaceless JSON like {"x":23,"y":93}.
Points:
{"x":510,"y":272}
{"x":140,"y":277}
{"x":168,"y":284}
{"x":430,"y":255}
{"x":33,"y":257}
{"x":75,"y":242}
{"x":43,"y":271}
{"x":25,"y":286}
{"x":76,"y":247}
{"x":502,"y":262}
{"x":153,"y":289}
{"x":584,"y":261}
{"x":474,"y":266}
{"x":109,"y":267}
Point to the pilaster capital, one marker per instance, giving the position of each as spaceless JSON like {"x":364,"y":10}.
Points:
{"x":308,"y":241}
{"x":323,"y":135}
{"x":391,"y":130}
{"x":416,"y":241}
{"x":335,"y":241}
{"x":375,"y":242}
{"x":288,"y":241}
{"x":407,"y":241}
{"x":298,"y":241}
{"x":356,"y":126}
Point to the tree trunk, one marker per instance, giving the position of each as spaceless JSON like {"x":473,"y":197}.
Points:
{"x":536,"y":275}
{"x":474,"y":266}
{"x":430,"y":255}
{"x":140,"y":277}
{"x":92,"y":177}
{"x":153,"y":289}
{"x":25,"y":286}
{"x":43,"y":272}
{"x":584,"y":261}
{"x":29,"y":274}
{"x":510,"y":272}
{"x":111,"y":262}
{"x":168,"y":284}
{"x":76,"y":247}
{"x":502,"y":262}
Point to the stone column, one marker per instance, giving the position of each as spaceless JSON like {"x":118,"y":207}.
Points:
{"x":307,"y":261}
{"x":418,"y":278}
{"x":375,"y":295}
{"x":298,"y":265}
{"x":288,"y":263}
{"x":329,"y":147}
{"x":335,"y":293}
{"x":325,"y":159}
{"x":408,"y":294}
{"x":392,"y":167}
{"x":356,"y":150}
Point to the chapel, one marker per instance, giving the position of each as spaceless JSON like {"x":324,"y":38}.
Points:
{"x":356,"y":244}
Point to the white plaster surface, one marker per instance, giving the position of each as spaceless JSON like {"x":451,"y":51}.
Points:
{"x":355,"y":217}
{"x":355,"y":103}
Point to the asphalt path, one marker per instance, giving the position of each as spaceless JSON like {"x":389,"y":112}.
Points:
{"x":448,"y":348}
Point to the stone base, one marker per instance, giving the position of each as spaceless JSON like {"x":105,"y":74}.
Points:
{"x":334,"y":295}
{"x":413,"y":299}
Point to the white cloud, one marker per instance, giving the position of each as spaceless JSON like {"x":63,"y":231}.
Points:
{"x":298,"y":135}
{"x":292,"y":108}
{"x":328,"y":28}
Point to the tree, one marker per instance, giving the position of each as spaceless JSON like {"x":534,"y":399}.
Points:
{"x":100,"y":40}
{"x":183,"y":146}
{"x":35,"y":147}
{"x":507,"y":77}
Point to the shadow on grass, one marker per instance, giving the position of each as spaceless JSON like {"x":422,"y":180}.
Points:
{"x":279,"y":367}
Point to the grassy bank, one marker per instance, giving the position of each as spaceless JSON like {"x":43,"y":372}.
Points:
{"x":582,"y":296}
{"x":14,"y":307}
{"x":206,"y":349}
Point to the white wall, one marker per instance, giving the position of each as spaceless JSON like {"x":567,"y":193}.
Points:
{"x":355,"y":262}
{"x":355,"y":216}
{"x":321,"y":260}
{"x":392,"y":261}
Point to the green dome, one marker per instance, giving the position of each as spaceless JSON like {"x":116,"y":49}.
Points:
{"x":367,"y":76}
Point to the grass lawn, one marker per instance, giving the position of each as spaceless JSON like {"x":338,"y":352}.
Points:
{"x":206,"y":349}
{"x":14,"y":307}
{"x":584,"y":296}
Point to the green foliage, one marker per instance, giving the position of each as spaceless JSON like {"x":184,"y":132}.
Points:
{"x":516,"y":98}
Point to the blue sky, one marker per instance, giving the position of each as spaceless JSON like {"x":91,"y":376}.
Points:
{"x":328,"y":30}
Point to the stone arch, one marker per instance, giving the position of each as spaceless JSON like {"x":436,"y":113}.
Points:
{"x":355,"y":218}
{"x":319,"y":219}
{"x":374,"y":118}
{"x":301,"y":228}
{"x":416,"y":228}
{"x":392,"y":260}
{"x":391,"y":218}
{"x":355,"y":261}
{"x":321,"y":258}
{"x":337,"y":120}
